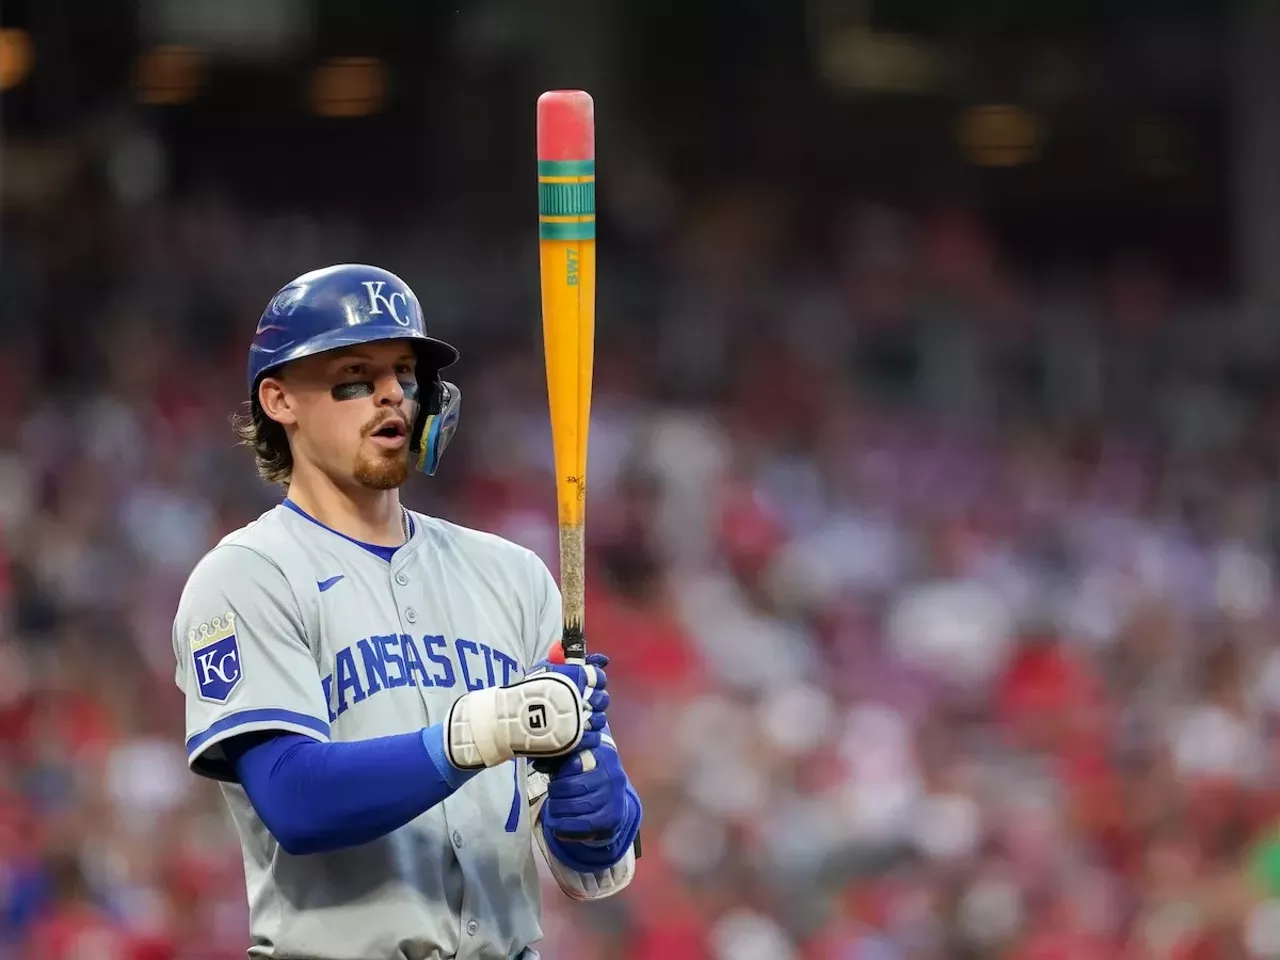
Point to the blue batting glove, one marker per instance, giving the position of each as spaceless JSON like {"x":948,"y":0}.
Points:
{"x":592,"y":814}
{"x":591,"y":681}
{"x":587,"y":797}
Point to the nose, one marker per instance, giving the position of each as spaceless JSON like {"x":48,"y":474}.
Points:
{"x":389,"y":392}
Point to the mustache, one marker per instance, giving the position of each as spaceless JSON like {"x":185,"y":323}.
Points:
{"x":375,"y":425}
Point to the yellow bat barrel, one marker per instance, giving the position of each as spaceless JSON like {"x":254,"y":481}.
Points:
{"x":567,"y":248}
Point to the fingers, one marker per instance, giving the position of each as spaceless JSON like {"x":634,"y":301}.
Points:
{"x":598,"y":700}
{"x":592,"y":682}
{"x":593,"y":803}
{"x":584,"y":761}
{"x":593,"y":677}
{"x":588,"y":676}
{"x":584,"y":800}
{"x":579,"y":831}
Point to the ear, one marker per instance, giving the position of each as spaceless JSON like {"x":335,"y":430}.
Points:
{"x":276,"y":401}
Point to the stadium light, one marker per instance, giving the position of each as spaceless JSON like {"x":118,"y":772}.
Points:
{"x":168,"y":75}
{"x":999,"y":135}
{"x":17,"y":54}
{"x":349,"y":87}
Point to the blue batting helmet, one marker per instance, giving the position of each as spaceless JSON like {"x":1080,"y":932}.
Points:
{"x":346,"y":305}
{"x":340,"y":306}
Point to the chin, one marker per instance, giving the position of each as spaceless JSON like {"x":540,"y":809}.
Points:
{"x":385,"y":474}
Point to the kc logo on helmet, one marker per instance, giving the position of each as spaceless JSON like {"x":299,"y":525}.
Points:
{"x":215,"y":657}
{"x":378,"y":299}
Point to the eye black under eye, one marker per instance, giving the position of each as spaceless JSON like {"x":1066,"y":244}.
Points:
{"x":352,"y":391}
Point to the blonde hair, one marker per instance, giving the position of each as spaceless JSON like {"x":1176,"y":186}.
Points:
{"x":268,"y":441}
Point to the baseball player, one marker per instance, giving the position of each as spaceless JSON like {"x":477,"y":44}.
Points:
{"x":372,"y":686}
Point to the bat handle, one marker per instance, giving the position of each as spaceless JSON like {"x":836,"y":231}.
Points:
{"x":574,"y":644}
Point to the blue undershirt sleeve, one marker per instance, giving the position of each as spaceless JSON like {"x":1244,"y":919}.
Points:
{"x":316,"y":797}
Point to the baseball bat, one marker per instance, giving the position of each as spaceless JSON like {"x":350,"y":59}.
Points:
{"x":567,"y":256}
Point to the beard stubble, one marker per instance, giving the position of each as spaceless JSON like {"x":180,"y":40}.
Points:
{"x":386,"y":471}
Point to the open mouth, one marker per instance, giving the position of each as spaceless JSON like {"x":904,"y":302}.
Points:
{"x":392,"y":433}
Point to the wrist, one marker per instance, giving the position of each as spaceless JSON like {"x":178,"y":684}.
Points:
{"x":433,"y":741}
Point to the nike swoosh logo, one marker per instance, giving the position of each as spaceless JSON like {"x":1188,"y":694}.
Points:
{"x":326,"y":584}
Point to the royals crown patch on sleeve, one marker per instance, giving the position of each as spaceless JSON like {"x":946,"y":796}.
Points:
{"x":215,"y":657}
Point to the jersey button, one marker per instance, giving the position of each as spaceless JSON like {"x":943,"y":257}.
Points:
{"x":411,"y":615}
{"x":457,"y":839}
{"x":401,"y":579}
{"x":472,"y":927}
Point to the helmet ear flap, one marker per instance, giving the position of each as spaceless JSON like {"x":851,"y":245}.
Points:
{"x":436,"y":422}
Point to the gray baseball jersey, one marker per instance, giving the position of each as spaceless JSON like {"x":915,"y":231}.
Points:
{"x":288,"y":625}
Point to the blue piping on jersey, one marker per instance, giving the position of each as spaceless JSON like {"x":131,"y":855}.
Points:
{"x":384,"y":553}
{"x":245,"y":717}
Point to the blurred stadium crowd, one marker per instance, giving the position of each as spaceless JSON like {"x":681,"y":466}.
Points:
{"x":939,"y":592}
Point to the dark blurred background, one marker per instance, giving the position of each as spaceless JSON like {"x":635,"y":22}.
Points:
{"x":933,"y":517}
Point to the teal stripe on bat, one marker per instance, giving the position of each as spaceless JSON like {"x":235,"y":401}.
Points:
{"x":568,"y":231}
{"x":566,"y":168}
